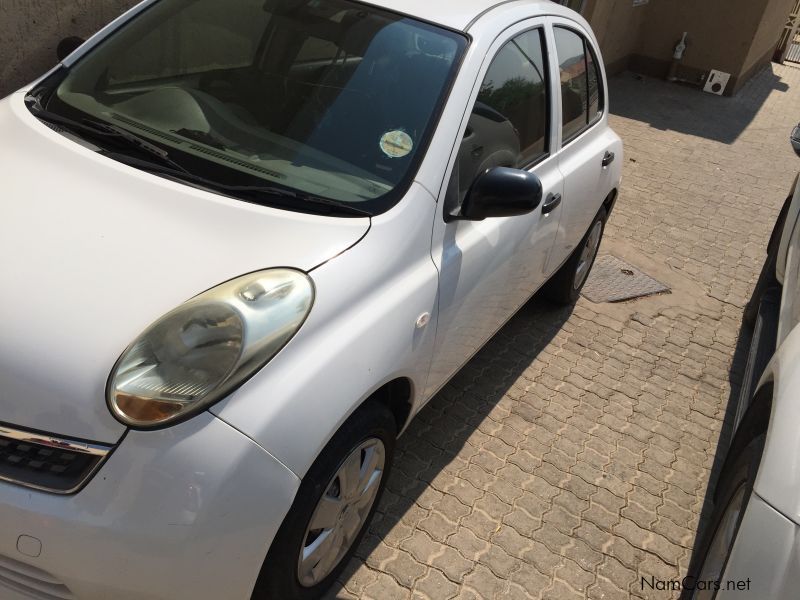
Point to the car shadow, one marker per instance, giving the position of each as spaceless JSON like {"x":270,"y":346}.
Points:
{"x":437,"y":435}
{"x":673,"y":107}
{"x":735,"y":379}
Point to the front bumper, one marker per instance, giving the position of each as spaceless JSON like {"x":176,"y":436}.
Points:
{"x":765,"y":561}
{"x":185,"y":512}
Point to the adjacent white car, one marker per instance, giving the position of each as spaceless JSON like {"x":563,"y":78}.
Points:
{"x":752,"y":546}
{"x":243,"y":244}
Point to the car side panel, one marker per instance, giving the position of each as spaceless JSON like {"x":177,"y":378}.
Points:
{"x":778,"y":479}
{"x":789,"y":226}
{"x":787,"y":269}
{"x":765,"y":560}
{"x":361,"y":333}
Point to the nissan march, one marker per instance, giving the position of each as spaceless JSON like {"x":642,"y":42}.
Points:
{"x":243,"y":243}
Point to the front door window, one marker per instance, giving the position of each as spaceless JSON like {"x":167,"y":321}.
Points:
{"x":508,"y":126}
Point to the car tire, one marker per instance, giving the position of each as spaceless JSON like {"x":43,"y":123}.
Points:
{"x":280,"y":577}
{"x":732,"y":496}
{"x":565,"y":286}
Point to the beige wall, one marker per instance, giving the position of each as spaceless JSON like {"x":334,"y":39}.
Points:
{"x":31,"y":29}
{"x":729,"y":35}
{"x":768,"y":33}
{"x":617,"y":25}
{"x":735,"y":36}
{"x":720,"y":31}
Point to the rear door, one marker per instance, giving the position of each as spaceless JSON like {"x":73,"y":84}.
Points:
{"x":587,"y":146}
{"x":488,"y":269}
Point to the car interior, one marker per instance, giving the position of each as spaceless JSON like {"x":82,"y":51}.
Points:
{"x":317,"y":92}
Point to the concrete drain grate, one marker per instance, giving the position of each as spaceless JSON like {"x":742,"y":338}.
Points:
{"x":614,"y":280}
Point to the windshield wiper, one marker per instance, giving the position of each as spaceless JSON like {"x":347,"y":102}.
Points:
{"x":166,"y":166}
{"x":204,"y":137}
{"x":266,"y":194}
{"x":106,"y":131}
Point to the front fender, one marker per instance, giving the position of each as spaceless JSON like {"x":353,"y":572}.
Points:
{"x":778,"y":479}
{"x":362,"y":332}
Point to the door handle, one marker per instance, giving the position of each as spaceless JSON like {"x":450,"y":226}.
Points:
{"x":608,"y":158}
{"x":551,"y":203}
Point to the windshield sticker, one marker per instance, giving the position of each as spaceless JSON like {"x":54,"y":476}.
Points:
{"x":396,"y":144}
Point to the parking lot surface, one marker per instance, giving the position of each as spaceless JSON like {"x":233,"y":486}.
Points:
{"x":570,"y":458}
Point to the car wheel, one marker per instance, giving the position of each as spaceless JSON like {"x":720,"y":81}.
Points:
{"x":333,"y":506}
{"x":733,"y":493}
{"x":565,"y":286}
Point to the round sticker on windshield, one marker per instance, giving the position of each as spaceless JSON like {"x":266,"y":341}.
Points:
{"x":396,"y":144}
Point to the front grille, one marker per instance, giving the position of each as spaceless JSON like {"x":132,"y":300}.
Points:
{"x":31,"y":582}
{"x":47,"y":463}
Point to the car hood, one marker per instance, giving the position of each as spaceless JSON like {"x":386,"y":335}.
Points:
{"x":93,"y":251}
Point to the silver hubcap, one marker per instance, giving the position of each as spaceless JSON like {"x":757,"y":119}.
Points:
{"x":721,"y":544}
{"x":588,"y":253}
{"x":341,"y":512}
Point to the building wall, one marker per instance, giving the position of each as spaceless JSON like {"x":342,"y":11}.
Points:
{"x":617,"y":25}
{"x":31,"y":30}
{"x":735,"y":36}
{"x":720,"y":35}
{"x":767,"y":35}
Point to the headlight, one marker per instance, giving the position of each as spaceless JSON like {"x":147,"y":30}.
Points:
{"x":206,"y":348}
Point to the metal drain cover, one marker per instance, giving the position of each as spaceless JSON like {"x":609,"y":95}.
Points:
{"x":614,"y":280}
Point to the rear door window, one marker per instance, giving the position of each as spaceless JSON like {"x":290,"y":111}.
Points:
{"x":581,"y":83}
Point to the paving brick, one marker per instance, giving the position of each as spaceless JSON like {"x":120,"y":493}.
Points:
{"x":452,"y":564}
{"x":437,"y":526}
{"x":385,"y":588}
{"x":436,"y":586}
{"x":499,"y":561}
{"x":420,"y":546}
{"x":573,"y":575}
{"x":561,"y":591}
{"x":404,"y":569}
{"x":467,"y":543}
{"x":484,"y":582}
{"x":480,"y":524}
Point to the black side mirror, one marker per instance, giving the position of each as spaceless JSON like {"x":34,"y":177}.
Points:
{"x":796,"y":140}
{"x":501,"y":192}
{"x":67,"y":46}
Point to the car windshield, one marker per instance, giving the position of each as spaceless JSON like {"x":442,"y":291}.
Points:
{"x":331,"y":98}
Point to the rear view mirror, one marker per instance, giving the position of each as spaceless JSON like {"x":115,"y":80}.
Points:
{"x":796,"y":140}
{"x":67,"y":46}
{"x":501,"y":192}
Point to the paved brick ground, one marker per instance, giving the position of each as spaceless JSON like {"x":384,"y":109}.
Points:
{"x":571,"y":457}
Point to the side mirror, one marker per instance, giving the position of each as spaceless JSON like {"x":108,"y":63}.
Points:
{"x":796,"y":140}
{"x":501,"y":192}
{"x":67,"y":46}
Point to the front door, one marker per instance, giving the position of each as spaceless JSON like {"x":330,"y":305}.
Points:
{"x":488,"y":269}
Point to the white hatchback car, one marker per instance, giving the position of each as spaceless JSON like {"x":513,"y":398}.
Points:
{"x":751,"y":546}
{"x":343,"y":200}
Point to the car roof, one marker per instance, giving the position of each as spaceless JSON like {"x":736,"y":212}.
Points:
{"x":461,"y":14}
